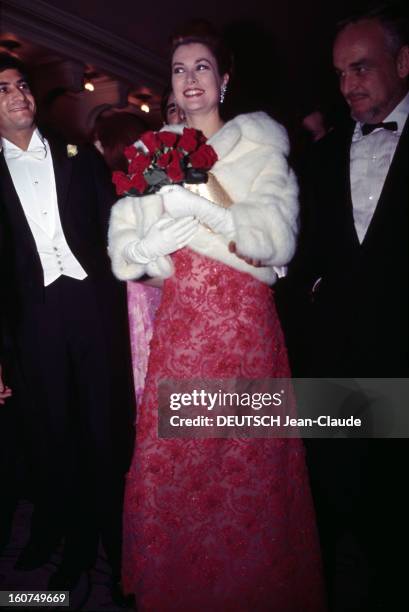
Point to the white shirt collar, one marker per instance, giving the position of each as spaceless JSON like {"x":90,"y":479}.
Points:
{"x":399,"y":114}
{"x":37,"y":140}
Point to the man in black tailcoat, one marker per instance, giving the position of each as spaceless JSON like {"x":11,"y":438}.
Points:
{"x":65,"y":317}
{"x":352,"y":266}
{"x":357,"y":242}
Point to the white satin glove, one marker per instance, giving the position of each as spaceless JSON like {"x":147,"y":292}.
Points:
{"x":165,"y":236}
{"x":180,"y":202}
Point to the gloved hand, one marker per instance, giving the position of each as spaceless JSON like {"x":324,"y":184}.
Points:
{"x":180,"y":202}
{"x":164,"y":237}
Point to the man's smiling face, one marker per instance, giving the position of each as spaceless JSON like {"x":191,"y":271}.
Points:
{"x":17,"y":104}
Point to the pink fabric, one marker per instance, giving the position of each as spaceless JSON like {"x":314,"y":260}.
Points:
{"x":216,"y":524}
{"x":143,"y":302}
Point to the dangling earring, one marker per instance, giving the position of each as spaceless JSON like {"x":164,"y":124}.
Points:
{"x":223,"y":90}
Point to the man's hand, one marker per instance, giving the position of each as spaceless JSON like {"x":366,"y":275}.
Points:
{"x":5,"y":391}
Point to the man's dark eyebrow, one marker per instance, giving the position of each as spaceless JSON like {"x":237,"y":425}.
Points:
{"x":357,"y":64}
{"x":361,"y":62}
{"x":22,"y":80}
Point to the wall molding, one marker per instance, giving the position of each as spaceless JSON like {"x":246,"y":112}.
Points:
{"x":71,"y":36}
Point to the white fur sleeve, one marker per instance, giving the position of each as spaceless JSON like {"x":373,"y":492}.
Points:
{"x":266,"y":220}
{"x":131,"y":217}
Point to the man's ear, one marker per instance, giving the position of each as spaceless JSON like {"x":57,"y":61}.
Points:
{"x":402,"y":62}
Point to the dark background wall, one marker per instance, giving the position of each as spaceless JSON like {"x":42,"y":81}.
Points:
{"x":282,"y":53}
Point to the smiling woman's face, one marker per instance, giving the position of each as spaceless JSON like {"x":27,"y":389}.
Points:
{"x":196,"y":81}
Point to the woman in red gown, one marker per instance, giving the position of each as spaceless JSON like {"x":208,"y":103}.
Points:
{"x":217,"y":524}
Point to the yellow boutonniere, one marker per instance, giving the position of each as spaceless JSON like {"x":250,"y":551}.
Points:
{"x":72,"y":150}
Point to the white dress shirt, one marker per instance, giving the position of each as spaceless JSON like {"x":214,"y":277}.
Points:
{"x":32,"y":172}
{"x":370,"y":160}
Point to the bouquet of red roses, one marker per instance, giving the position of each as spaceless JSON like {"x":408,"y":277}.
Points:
{"x":165,"y":158}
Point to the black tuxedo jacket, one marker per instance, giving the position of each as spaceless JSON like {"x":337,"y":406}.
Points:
{"x":357,"y":321}
{"x":85,"y":195}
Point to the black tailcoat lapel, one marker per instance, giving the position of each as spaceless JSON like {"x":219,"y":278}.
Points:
{"x":395,"y":192}
{"x":13,"y":209}
{"x":62,"y":171}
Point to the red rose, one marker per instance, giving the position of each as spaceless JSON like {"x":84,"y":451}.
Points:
{"x":168,"y":138}
{"x":164,"y":159}
{"x":139,"y":163}
{"x":174,"y":170}
{"x":151,"y":141}
{"x":138,"y":182}
{"x":121,"y":182}
{"x":201,"y":137}
{"x":189,"y":140}
{"x":203,"y":158}
{"x":130,"y":152}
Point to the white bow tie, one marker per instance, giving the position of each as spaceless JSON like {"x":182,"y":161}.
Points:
{"x":35,"y":153}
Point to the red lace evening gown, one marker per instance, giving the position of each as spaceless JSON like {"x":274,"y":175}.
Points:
{"x":217,"y":524}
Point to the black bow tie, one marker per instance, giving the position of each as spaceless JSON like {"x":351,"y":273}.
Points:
{"x":367,"y":128}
